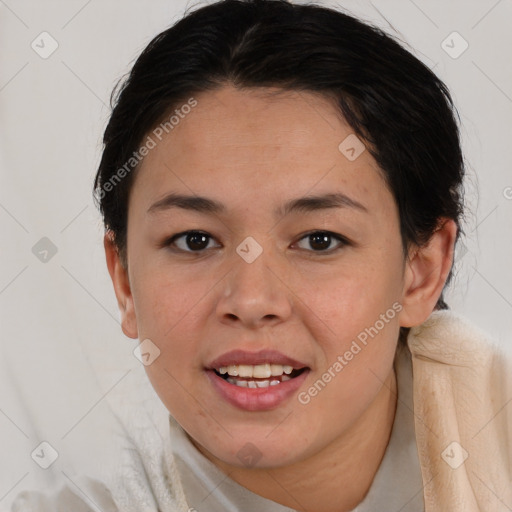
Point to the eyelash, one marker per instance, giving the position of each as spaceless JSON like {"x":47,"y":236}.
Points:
{"x":171,"y":240}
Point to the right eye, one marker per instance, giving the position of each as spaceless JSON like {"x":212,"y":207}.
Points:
{"x":188,"y":241}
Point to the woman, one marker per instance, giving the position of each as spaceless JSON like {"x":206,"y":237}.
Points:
{"x":281,"y":187}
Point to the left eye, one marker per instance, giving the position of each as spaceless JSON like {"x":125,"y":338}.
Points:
{"x":321,"y":240}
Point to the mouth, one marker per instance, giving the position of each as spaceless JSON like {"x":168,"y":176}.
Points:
{"x":258,"y":376}
{"x":256,"y":382}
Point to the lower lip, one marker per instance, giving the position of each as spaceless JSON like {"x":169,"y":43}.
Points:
{"x":256,"y":399}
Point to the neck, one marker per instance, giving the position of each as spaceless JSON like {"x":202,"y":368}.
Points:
{"x":314,"y":483}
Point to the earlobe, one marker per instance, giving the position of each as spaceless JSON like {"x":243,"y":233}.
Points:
{"x":425,"y":275}
{"x":119,"y":275}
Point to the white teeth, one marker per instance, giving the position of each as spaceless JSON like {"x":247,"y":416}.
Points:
{"x":261,"y":371}
{"x":253,"y":384}
{"x":258,"y":371}
{"x":276,"y":370}
{"x":244,"y":370}
{"x":240,"y":383}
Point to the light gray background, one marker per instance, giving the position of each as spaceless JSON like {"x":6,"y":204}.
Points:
{"x":62,"y":349}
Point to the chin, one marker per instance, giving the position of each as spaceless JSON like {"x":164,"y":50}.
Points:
{"x":257,"y":451}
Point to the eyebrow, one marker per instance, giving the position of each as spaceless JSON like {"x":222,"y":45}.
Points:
{"x":300,"y":205}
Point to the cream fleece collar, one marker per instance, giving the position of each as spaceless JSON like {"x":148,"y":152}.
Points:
{"x":463,"y":415}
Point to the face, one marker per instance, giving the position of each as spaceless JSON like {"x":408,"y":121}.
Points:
{"x":259,"y":282}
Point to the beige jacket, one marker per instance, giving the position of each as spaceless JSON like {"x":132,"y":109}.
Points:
{"x":463,"y":422}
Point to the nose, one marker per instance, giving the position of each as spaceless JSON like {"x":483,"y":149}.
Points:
{"x":255,"y":294}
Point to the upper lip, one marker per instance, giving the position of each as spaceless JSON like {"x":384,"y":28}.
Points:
{"x":236,"y":357}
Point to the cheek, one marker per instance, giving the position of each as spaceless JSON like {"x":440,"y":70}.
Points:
{"x":358,"y":355}
{"x":165,"y":302}
{"x":355,"y":322}
{"x":350,"y":300}
{"x":168,"y":311}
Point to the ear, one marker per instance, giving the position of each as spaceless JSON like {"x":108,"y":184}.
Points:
{"x":119,"y":276}
{"x":426,"y":272}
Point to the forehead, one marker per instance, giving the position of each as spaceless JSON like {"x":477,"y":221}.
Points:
{"x":237,"y":125}
{"x":264,"y":142}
